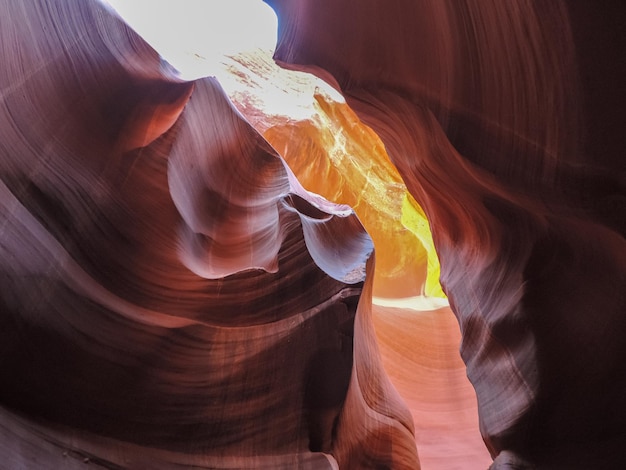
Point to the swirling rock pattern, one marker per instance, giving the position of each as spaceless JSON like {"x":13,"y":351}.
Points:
{"x":481,"y":108}
{"x":334,"y":154}
{"x":171,"y":296}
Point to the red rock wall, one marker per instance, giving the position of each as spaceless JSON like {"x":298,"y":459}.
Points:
{"x":486,"y":109}
{"x":171,"y":296}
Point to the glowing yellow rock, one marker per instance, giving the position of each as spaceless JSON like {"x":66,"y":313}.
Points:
{"x":414,"y":219}
{"x":334,"y":154}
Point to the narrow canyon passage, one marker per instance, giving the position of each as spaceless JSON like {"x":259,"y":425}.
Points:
{"x":210,"y":258}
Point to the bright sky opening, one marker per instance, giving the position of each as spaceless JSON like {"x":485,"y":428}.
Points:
{"x":184,"y":31}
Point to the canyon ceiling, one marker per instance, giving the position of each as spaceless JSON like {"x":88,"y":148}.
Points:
{"x":188,"y":280}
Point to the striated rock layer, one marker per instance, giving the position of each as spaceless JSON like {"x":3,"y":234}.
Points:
{"x":481,"y":109}
{"x":171,"y":296}
{"x":334,"y":154}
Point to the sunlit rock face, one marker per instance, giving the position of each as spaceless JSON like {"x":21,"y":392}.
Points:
{"x":171,"y":296}
{"x":332,"y":153}
{"x":487,"y":110}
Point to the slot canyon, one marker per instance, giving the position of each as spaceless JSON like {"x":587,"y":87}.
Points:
{"x":389,"y":235}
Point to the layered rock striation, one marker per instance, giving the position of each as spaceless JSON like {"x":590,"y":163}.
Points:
{"x":487,"y":110}
{"x":172,"y":296}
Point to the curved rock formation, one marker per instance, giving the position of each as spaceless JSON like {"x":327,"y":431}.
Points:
{"x":477,"y":105}
{"x":171,"y":296}
{"x":332,"y":153}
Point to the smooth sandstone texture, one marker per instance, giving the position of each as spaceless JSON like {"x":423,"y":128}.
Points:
{"x":488,"y":109}
{"x":334,"y":154}
{"x":171,"y":296}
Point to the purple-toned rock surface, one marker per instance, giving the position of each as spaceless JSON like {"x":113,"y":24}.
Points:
{"x":172,"y":297}
{"x":494,"y":116}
